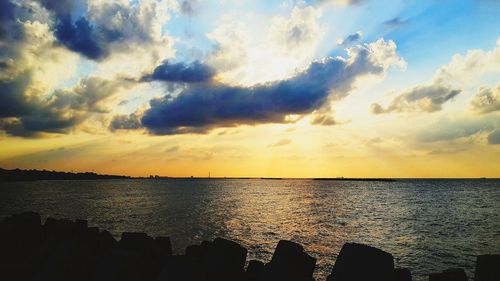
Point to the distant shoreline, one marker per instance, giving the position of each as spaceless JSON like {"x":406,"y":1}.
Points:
{"x":15,"y":175}
{"x":36,"y":175}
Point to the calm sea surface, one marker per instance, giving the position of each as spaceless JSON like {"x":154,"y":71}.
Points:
{"x":428,"y":225}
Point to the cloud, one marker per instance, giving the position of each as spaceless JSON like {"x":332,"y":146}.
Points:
{"x":181,"y":72}
{"x":428,"y":98}
{"x":279,"y":143}
{"x":301,"y":27}
{"x":13,"y":102}
{"x":446,"y":83}
{"x":31,"y":70}
{"x":88,"y":95}
{"x":79,"y":35}
{"x":446,"y":151}
{"x":494,"y":137}
{"x":203,"y":106}
{"x":59,"y":112}
{"x":12,"y":35}
{"x":172,"y":149}
{"x":323,"y":120}
{"x":107,"y":27}
{"x":10,"y":28}
{"x":187,"y":7}
{"x":486,"y":100}
{"x":341,"y":2}
{"x":468,"y":69}
{"x":125,"y":122}
{"x":124,"y":37}
{"x":450,"y":129}
{"x":395,"y":22}
{"x":350,"y":39}
{"x":244,"y":55}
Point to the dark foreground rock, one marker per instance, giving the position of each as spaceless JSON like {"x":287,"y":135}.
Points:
{"x":289,"y":262}
{"x":62,"y":249}
{"x":402,"y":274}
{"x":218,"y":260}
{"x":487,"y":268}
{"x":451,"y":274}
{"x":358,"y":262}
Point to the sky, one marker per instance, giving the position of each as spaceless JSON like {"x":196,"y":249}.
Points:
{"x":251,"y":88}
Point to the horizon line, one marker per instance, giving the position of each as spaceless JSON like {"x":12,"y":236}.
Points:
{"x":153,"y":176}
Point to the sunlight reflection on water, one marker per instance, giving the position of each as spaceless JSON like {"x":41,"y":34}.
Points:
{"x":428,"y":225}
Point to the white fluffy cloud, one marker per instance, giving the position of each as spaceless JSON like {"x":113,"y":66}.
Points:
{"x":140,"y":24}
{"x":247,"y":55}
{"x":39,"y":55}
{"x":447,"y":83}
{"x":469,"y":68}
{"x":486,"y":100}
{"x":427,"y":98}
{"x":36,"y":70}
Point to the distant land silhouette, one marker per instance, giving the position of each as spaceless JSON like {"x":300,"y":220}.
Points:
{"x":34,"y":175}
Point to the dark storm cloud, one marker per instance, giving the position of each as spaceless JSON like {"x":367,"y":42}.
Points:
{"x":203,"y":106}
{"x":181,"y":72}
{"x":429,"y":98}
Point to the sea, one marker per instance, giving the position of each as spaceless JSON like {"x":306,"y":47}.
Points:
{"x":428,"y":225}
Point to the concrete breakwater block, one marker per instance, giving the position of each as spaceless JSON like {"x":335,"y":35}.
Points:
{"x":402,"y":274}
{"x":289,"y":262}
{"x":63,"y":249}
{"x":487,"y":268}
{"x":358,"y":262}
{"x":218,"y":260}
{"x":451,"y":274}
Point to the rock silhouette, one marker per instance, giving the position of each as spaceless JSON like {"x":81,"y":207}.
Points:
{"x":451,"y":274}
{"x":487,"y":268}
{"x":62,"y":249}
{"x":289,"y":262}
{"x":402,"y":274}
{"x":358,"y":262}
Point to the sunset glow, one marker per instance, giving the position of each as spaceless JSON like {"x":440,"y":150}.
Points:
{"x":251,"y":88}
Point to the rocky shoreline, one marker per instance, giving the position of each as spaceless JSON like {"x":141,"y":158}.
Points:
{"x":62,"y":249}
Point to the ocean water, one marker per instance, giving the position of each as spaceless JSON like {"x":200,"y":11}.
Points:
{"x":428,"y":225}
